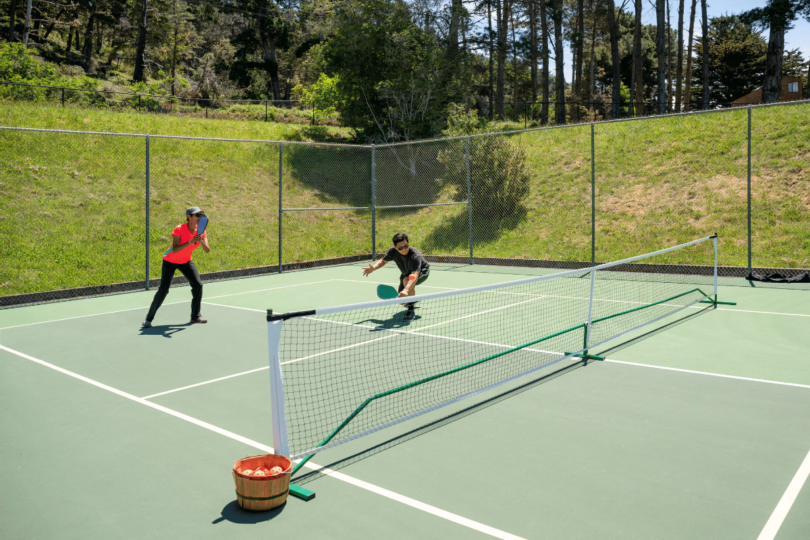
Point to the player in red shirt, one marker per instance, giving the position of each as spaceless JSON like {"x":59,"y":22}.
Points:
{"x":184,"y":241}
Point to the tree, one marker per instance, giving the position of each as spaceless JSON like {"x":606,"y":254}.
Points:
{"x":679,"y":72}
{"x":615,"y":59}
{"x":736,"y":59}
{"x":778,"y":16}
{"x":139,"y":75}
{"x":638,"y":94}
{"x":688,"y":89}
{"x":394,"y":78}
{"x":559,"y":76}
{"x":705,"y":40}
{"x":659,"y":52}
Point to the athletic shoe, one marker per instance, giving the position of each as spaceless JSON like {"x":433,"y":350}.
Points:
{"x":199,"y":320}
{"x":409,"y":315}
{"x":146,"y":324}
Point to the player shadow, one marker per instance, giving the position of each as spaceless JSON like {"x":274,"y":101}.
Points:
{"x":165,"y":330}
{"x":394,"y":323}
{"x":236,"y":514}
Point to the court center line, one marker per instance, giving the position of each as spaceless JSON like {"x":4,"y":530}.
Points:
{"x":491,"y":531}
{"x":165,"y":304}
{"x":205,"y":382}
{"x":786,"y":502}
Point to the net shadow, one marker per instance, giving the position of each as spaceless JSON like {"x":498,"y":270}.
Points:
{"x":654,"y":332}
{"x":427,"y":428}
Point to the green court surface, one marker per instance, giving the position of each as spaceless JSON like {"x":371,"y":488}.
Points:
{"x":696,"y":427}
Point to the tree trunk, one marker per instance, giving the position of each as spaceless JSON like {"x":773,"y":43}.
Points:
{"x":514,"y":66}
{"x":659,"y":51}
{"x":503,"y":30}
{"x":679,"y":71}
{"x":53,"y":24}
{"x":491,"y":64}
{"x":638,"y":65}
{"x":580,"y":45}
{"x":705,"y":56}
{"x":615,"y":60}
{"x":591,"y":82}
{"x":27,"y":27}
{"x":174,"y":47}
{"x":12,"y":12}
{"x":140,"y":54}
{"x":533,"y":48}
{"x":269,"y":49}
{"x":772,"y":87}
{"x":88,"y":40}
{"x":669,"y":61}
{"x":99,"y":35}
{"x":455,"y":18}
{"x":544,"y":39}
{"x":687,"y":100}
{"x":559,"y":76}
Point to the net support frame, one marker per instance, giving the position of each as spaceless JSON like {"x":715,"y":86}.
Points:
{"x":581,"y":353}
{"x":281,"y":444}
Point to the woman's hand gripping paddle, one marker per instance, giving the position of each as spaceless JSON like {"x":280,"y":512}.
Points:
{"x":203,"y":223}
{"x":386,"y":292}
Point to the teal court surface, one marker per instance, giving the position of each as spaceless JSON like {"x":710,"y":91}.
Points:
{"x":695,"y":427}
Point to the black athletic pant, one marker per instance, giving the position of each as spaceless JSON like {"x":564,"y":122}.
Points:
{"x":192,"y":275}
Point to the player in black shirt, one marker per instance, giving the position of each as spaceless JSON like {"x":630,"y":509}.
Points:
{"x":413,"y":267}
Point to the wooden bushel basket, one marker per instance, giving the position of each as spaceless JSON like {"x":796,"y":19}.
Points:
{"x":262,"y":492}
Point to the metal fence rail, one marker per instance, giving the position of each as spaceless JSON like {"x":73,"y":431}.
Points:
{"x":92,"y":213}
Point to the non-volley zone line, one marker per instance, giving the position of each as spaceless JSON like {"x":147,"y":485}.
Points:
{"x":449,"y":516}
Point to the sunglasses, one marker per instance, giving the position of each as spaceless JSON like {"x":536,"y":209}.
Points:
{"x":199,"y":214}
{"x":406,"y":246}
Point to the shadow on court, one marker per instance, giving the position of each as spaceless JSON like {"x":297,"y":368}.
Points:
{"x":165,"y":330}
{"x":235,"y":514}
{"x":654,"y":331}
{"x":397,"y":322}
{"x":369,"y":452}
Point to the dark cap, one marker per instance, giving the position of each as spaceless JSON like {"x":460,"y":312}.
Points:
{"x":193,"y":210}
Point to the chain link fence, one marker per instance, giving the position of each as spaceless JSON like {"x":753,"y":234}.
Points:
{"x":91,"y":213}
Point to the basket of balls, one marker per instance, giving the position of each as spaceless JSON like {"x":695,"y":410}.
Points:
{"x":262,"y":482}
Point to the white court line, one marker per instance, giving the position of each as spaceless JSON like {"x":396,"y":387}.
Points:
{"x":205,"y":382}
{"x":165,"y":304}
{"x":786,"y":502}
{"x":491,"y":531}
{"x":766,"y":381}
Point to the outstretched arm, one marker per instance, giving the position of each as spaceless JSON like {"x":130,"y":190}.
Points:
{"x":375,"y":266}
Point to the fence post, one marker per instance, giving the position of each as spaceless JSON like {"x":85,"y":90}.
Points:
{"x":280,"y":201}
{"x":749,"y":190}
{"x":593,"y":198}
{"x":265,"y":110}
{"x":139,"y":102}
{"x":147,"y":212}
{"x":63,"y":96}
{"x":373,"y":205}
{"x":469,"y":194}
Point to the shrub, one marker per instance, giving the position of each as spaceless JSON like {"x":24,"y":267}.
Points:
{"x":499,"y":176}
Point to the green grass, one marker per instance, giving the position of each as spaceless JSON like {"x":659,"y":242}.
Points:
{"x":72,"y":206}
{"x":126,"y":121}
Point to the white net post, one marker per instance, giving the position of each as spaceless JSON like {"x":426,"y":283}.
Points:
{"x":280,"y":440}
{"x":590,"y":312}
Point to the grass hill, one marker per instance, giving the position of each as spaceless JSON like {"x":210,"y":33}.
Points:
{"x":72,"y":206}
